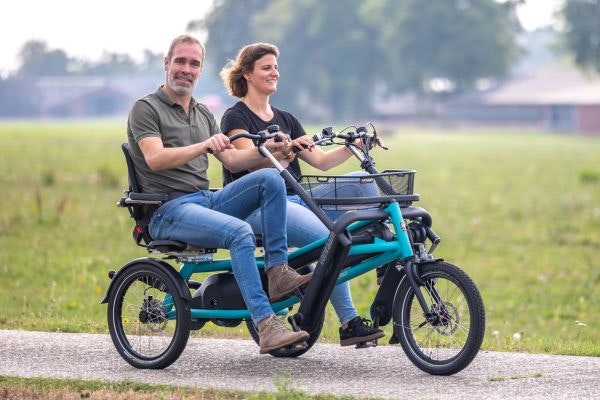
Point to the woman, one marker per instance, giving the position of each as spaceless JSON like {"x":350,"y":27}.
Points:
{"x":252,"y":77}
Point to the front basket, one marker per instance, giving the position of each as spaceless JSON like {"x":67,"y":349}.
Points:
{"x":343,"y":192}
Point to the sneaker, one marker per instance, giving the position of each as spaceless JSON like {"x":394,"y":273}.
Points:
{"x":273,"y":335}
{"x":359,"y":330}
{"x":283,"y":280}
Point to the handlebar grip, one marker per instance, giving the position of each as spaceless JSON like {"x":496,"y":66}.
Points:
{"x":273,"y":128}
{"x":297,"y":150}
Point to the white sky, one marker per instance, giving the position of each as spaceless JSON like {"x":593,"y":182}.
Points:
{"x":86,"y":29}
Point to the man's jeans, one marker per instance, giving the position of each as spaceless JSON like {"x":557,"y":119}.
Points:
{"x":216,"y":219}
{"x":303,"y":227}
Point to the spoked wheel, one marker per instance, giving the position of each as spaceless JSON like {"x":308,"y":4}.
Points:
{"x":148,"y":323}
{"x":293,"y":351}
{"x":444,"y":340}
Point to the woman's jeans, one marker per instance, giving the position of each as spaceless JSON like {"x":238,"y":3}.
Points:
{"x":216,"y":220}
{"x":303,"y":227}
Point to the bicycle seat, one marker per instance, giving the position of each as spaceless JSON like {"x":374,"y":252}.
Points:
{"x":141,"y":206}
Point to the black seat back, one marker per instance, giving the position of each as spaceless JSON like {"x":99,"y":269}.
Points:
{"x":140,"y":211}
{"x":134,"y":186}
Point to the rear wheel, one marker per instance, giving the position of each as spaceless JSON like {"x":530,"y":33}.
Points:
{"x":290,"y":351}
{"x":148,"y":322}
{"x":444,"y":340}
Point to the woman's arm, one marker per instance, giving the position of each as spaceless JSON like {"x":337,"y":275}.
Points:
{"x":323,"y":160}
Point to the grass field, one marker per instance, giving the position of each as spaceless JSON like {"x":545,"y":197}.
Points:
{"x":519,"y":211}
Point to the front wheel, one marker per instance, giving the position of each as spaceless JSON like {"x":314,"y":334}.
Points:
{"x":148,"y":322}
{"x":446,"y":338}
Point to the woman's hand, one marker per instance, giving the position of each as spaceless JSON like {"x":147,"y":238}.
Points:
{"x":277,"y":143}
{"x":303,"y":142}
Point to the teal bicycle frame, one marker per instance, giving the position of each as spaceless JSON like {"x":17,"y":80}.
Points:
{"x":382,"y":252}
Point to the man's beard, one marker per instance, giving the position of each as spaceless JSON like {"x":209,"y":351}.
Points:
{"x":181,"y":90}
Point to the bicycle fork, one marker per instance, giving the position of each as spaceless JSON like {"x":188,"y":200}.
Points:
{"x":410,"y":262}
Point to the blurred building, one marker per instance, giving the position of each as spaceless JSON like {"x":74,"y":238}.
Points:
{"x":552,"y":97}
{"x":90,"y":96}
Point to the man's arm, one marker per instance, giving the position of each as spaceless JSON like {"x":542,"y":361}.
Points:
{"x":159,"y":157}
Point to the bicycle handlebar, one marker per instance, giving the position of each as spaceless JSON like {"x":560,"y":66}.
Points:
{"x":259,"y":137}
{"x":326,"y":137}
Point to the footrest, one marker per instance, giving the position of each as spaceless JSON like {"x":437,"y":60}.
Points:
{"x":297,"y":346}
{"x":364,"y":345}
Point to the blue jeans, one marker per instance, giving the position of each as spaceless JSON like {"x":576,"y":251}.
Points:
{"x":303,"y":227}
{"x":216,"y":219}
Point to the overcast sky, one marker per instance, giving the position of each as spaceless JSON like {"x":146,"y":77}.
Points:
{"x":86,"y":29}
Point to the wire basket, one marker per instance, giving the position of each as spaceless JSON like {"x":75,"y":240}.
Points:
{"x":360,"y":191}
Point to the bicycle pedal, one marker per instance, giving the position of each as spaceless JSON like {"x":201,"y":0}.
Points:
{"x":300,"y":346}
{"x":296,"y":346}
{"x":364,"y":345}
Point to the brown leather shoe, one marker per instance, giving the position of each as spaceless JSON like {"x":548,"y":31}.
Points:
{"x":273,"y":335}
{"x":283,"y":280}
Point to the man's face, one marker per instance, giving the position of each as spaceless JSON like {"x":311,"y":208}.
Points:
{"x":184,"y":68}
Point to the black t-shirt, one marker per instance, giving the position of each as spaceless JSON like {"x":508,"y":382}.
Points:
{"x":239,"y":116}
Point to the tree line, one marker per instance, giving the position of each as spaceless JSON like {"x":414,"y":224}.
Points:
{"x":337,"y":56}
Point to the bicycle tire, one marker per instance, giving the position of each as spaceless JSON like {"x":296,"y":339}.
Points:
{"x":449,"y":342}
{"x":140,"y":317}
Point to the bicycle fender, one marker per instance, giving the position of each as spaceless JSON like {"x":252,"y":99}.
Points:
{"x":182,"y":287}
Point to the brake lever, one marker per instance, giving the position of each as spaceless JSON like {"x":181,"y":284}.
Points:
{"x":376,"y":138}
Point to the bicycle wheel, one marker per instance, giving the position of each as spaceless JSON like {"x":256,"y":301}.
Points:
{"x":444,"y":340}
{"x":148,"y":322}
{"x":289,"y":352}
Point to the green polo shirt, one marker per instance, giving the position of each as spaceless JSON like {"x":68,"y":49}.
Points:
{"x":157,"y":115}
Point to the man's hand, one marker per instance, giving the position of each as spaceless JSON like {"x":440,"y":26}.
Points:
{"x":217,"y":144}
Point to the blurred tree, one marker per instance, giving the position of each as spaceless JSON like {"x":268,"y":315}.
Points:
{"x":445,"y":46}
{"x":229,"y":26}
{"x":37,"y":60}
{"x":152,"y":63}
{"x":582,"y":32}
{"x":111,"y":64}
{"x":335,"y":56}
{"x":328,"y":60}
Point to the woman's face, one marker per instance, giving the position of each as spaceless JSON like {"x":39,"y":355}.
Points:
{"x":263,"y":78}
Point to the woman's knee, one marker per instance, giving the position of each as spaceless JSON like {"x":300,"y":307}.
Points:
{"x":269,"y":178}
{"x":242,"y":235}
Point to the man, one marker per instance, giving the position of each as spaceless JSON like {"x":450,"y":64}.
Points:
{"x":170,"y":135}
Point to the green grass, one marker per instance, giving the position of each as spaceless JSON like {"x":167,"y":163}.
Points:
{"x":59,"y":389}
{"x":518,"y":211}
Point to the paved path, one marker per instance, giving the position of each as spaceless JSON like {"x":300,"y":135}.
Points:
{"x":383,"y":371}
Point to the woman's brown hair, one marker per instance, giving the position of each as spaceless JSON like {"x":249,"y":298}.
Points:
{"x":233,"y":73}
